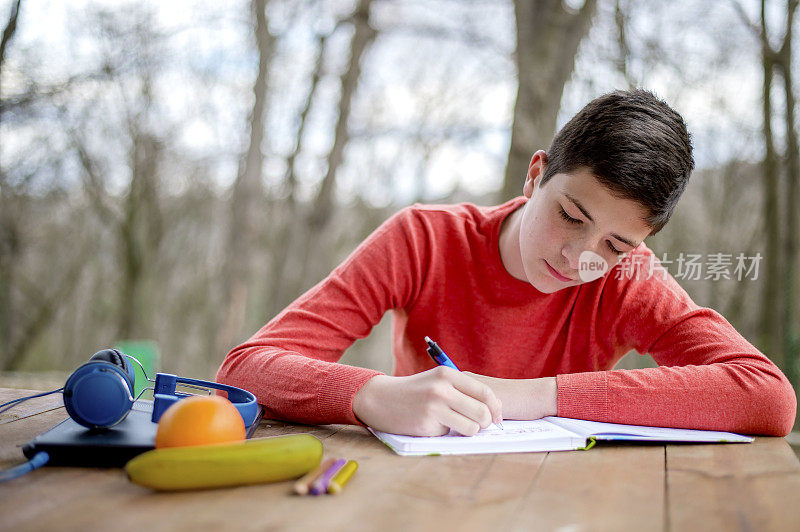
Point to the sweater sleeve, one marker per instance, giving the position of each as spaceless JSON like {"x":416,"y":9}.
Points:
{"x":290,"y":364}
{"x":709,"y":376}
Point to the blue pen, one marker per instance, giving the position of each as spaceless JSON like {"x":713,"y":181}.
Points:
{"x":442,"y":359}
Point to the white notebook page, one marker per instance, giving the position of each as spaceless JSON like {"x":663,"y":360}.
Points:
{"x":618,"y":431}
{"x":516,"y":436}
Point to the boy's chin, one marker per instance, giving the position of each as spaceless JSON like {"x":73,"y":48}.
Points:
{"x":545,"y":283}
{"x":550,"y":289}
{"x":548,"y":285}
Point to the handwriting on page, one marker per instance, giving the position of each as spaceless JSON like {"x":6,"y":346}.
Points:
{"x":512,"y":429}
{"x":521,"y":430}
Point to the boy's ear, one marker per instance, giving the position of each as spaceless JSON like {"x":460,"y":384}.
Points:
{"x":535,"y":172}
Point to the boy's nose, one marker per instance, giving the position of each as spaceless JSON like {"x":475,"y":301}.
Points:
{"x":572,"y":254}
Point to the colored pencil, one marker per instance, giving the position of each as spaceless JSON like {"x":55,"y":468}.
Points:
{"x":303,"y":485}
{"x":340,"y":479}
{"x":320,"y":485}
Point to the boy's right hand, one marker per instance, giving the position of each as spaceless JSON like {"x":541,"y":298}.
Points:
{"x":427,"y":404}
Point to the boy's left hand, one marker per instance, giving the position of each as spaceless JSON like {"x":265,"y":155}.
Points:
{"x":523,"y":398}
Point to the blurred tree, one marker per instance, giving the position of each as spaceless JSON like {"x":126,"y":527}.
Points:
{"x":134,"y":216}
{"x":28,"y":305}
{"x":783,"y":62}
{"x":622,"y":21}
{"x":246,"y":194}
{"x":780,"y":334}
{"x":9,"y":31}
{"x":363,"y":36}
{"x":9,"y":220}
{"x":548,"y":36}
{"x":310,"y":229}
{"x":283,"y":229}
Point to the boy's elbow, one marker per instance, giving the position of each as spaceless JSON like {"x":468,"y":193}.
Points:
{"x":787,"y":409}
{"x":222,"y":374}
{"x":226,"y":374}
{"x":779,"y":409}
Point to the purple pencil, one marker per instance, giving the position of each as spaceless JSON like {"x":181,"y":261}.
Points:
{"x":320,"y":486}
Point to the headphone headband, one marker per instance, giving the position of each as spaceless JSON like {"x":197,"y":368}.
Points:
{"x":164,"y":395}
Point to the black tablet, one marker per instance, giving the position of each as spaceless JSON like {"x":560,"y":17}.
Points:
{"x":71,"y":444}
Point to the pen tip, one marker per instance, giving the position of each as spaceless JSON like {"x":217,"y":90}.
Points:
{"x":428,"y":339}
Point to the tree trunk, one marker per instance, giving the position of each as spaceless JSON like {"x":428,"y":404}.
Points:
{"x":9,"y":226}
{"x":282,"y":231}
{"x":140,"y":231}
{"x":298,"y":271}
{"x":42,"y":315}
{"x":621,"y":21}
{"x":8,"y":32}
{"x":548,"y":37}
{"x":790,"y":325}
{"x":246,"y":194}
{"x":362,"y":37}
{"x":10,"y":255}
{"x":770,"y":334}
{"x":131,"y":274}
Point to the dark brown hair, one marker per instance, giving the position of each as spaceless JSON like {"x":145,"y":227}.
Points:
{"x":635,"y":144}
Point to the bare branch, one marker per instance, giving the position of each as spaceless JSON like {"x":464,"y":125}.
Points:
{"x":363,"y":36}
{"x":745,"y":20}
{"x":461,"y":36}
{"x":44,"y":310}
{"x":92,"y":181}
{"x":290,"y":180}
{"x":8,"y":32}
{"x":786,"y":47}
{"x":621,"y":20}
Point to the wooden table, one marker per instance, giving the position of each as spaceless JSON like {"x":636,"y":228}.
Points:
{"x":610,"y":487}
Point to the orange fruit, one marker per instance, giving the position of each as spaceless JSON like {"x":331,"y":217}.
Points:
{"x":199,"y":420}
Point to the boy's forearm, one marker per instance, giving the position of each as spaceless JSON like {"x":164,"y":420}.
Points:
{"x":524,"y":398}
{"x":747,"y":397}
{"x":531,"y":398}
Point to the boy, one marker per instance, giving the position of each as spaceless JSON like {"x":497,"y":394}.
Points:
{"x":502,"y":290}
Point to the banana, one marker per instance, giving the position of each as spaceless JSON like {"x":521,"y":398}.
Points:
{"x":226,"y":464}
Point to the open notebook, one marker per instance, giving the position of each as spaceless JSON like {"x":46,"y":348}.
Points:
{"x":546,"y":434}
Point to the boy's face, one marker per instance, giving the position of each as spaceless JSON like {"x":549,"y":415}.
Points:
{"x":570,"y":219}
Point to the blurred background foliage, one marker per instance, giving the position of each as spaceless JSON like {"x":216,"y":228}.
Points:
{"x":180,"y":171}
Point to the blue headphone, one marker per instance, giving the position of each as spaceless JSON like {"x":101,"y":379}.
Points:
{"x":99,"y":394}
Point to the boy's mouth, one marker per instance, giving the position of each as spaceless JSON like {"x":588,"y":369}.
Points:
{"x":555,"y":273}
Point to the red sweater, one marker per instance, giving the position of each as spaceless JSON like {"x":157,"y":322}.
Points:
{"x":438,"y":269}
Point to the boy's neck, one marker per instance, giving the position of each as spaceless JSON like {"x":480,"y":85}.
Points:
{"x":508,"y":242}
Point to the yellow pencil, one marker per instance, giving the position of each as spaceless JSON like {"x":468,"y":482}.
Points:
{"x":340,"y":479}
{"x":303,"y":485}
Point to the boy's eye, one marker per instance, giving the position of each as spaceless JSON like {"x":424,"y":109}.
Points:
{"x":567,"y":217}
{"x":572,"y":220}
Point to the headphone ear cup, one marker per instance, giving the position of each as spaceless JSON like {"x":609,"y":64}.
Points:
{"x":117,"y":358}
{"x":99,"y":394}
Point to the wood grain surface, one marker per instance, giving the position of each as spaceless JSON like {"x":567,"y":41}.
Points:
{"x":610,"y":487}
